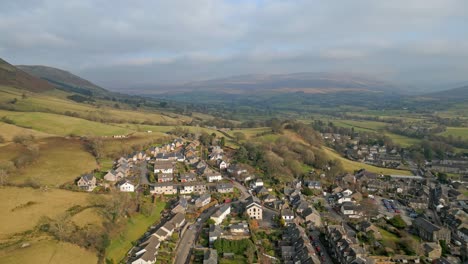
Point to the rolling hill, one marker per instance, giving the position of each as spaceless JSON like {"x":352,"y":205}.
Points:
{"x":456,"y":94}
{"x":306,"y":82}
{"x":14,"y":77}
{"x":63,"y":80}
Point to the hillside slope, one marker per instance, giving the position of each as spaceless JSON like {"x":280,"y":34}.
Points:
{"x":457,"y":94}
{"x":14,"y":77}
{"x":62,"y":79}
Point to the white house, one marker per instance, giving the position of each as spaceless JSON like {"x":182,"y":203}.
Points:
{"x":221,"y":214}
{"x":347,"y":192}
{"x":287,"y":215}
{"x":222,"y":164}
{"x":163,"y":167}
{"x":126,"y":186}
{"x":254,"y":211}
{"x":212,"y":177}
{"x":257,"y":183}
{"x":347,"y":208}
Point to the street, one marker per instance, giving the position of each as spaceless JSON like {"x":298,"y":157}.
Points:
{"x":187,"y":241}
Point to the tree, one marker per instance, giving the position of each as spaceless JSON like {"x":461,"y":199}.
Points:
{"x":222,"y":142}
{"x":95,"y":146}
{"x":397,"y":222}
{"x":239,"y":136}
{"x":3,"y":177}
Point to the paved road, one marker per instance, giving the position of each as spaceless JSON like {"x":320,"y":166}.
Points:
{"x":240,"y":187}
{"x":187,"y":241}
{"x":327,"y":258}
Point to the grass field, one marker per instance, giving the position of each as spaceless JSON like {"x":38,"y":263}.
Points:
{"x":62,"y":125}
{"x":17,"y":217}
{"x":250,"y":132}
{"x":136,"y":226}
{"x":89,"y":216}
{"x":60,"y":160}
{"x":402,"y":140}
{"x":48,"y":251}
{"x":8,"y":131}
{"x":115,"y":147}
{"x":351,"y":166}
{"x":456,"y":132}
{"x":55,"y":101}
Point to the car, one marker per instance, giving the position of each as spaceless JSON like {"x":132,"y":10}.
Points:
{"x":199,"y":220}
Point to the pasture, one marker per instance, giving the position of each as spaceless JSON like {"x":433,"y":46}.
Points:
{"x":60,"y":160}
{"x":351,"y":166}
{"x":23,"y":207}
{"x":48,"y":251}
{"x":456,"y":132}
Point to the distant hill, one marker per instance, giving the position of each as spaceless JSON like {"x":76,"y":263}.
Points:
{"x":14,"y":77}
{"x":457,"y":94}
{"x":310,"y":83}
{"x":63,"y":80}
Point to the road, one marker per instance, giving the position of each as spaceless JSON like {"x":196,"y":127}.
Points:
{"x":240,"y":187}
{"x":187,"y":241}
{"x":327,"y":258}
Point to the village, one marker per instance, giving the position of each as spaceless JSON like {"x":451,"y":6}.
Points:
{"x":222,"y":212}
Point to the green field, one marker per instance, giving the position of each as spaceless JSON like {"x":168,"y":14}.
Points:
{"x":62,"y":125}
{"x":351,"y":166}
{"x":456,"y":132}
{"x":135,"y":228}
{"x":48,"y":251}
{"x":56,"y":102}
{"x":8,"y":131}
{"x":402,"y":140}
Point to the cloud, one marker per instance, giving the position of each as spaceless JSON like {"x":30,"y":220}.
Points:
{"x":123,"y":43}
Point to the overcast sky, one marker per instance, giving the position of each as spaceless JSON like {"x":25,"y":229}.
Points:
{"x":120,"y":43}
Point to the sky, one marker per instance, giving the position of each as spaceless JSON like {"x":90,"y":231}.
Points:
{"x":120,"y":43}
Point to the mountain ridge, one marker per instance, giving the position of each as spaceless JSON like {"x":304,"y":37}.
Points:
{"x":62,"y":79}
{"x":15,"y":77}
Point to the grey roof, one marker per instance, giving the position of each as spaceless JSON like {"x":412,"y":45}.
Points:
{"x":425,"y":224}
{"x":211,"y":257}
{"x":215,"y":231}
{"x":178,"y":219}
{"x":88,"y":177}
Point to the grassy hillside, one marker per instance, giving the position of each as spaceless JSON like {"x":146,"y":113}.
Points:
{"x":57,"y":102}
{"x":351,"y":166}
{"x":18,"y":217}
{"x":61,"y":78}
{"x":59,"y":161}
{"x":14,"y":77}
{"x":62,"y":125}
{"x":48,"y":251}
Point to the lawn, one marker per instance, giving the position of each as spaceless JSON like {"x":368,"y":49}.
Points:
{"x":48,"y":251}
{"x":351,"y":166}
{"x":18,"y":217}
{"x":135,"y":228}
{"x":60,"y":160}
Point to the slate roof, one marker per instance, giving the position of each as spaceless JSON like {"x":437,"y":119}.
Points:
{"x":425,"y":224}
